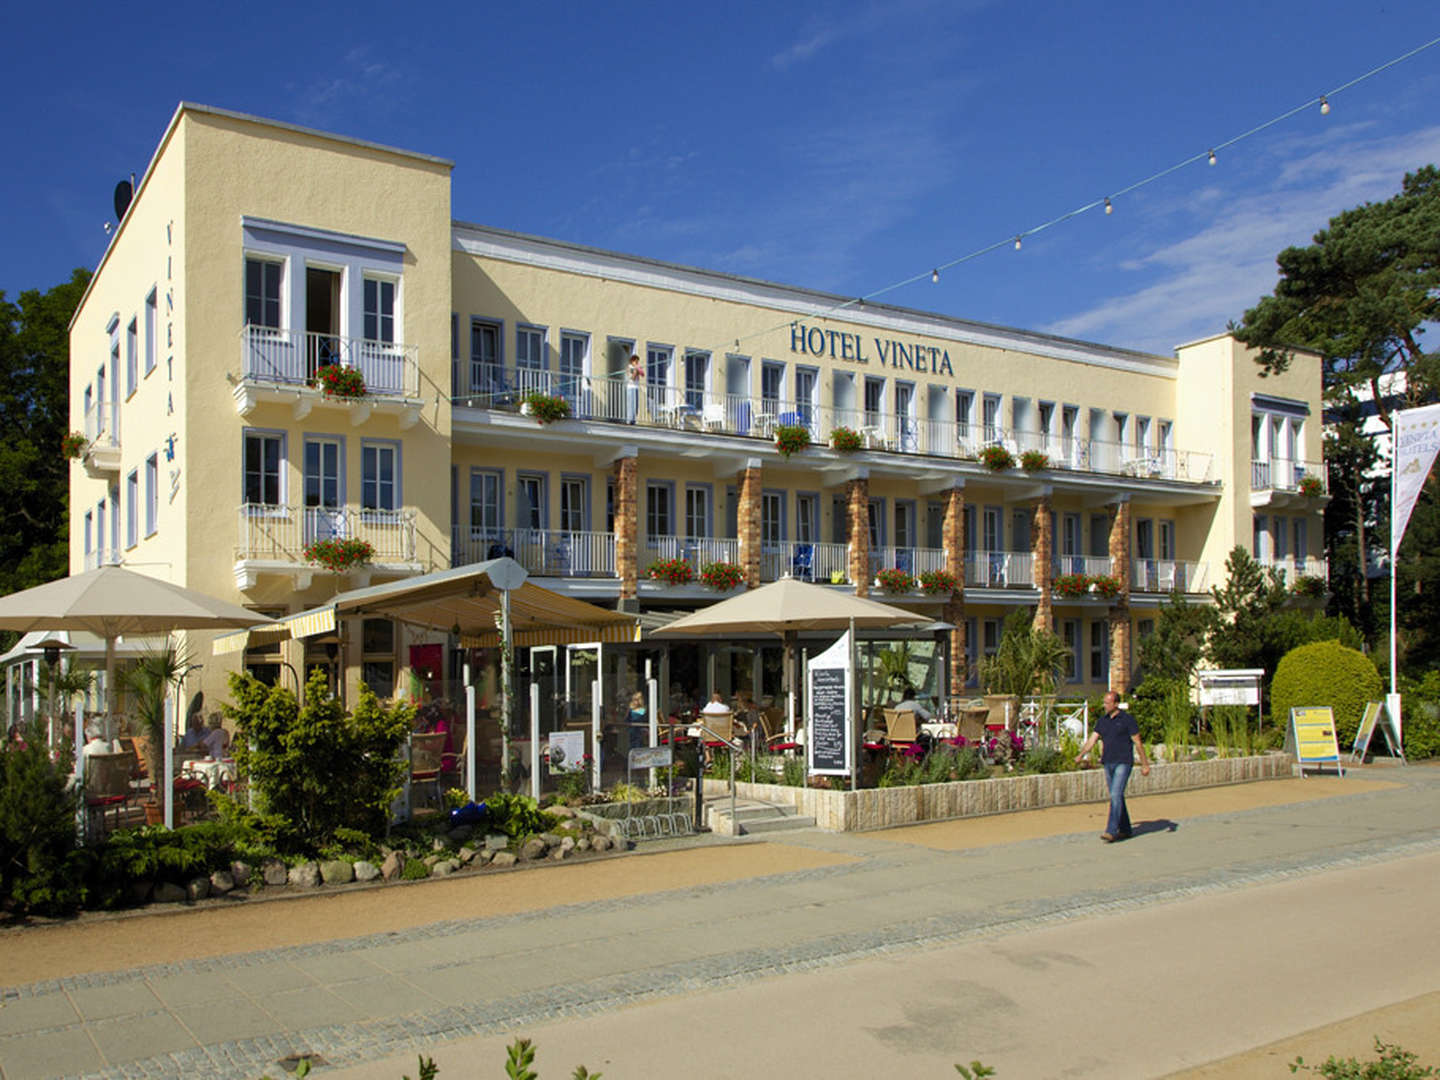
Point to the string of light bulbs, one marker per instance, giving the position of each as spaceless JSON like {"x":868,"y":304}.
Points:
{"x":1209,"y":155}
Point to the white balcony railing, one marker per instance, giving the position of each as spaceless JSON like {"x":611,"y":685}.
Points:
{"x":614,"y":400}
{"x":102,"y":423}
{"x":282,"y":533}
{"x":294,"y":357}
{"x":912,"y":560}
{"x":1288,"y":476}
{"x":103,"y":557}
{"x":999,"y":569}
{"x":1090,"y":565}
{"x":543,"y":552}
{"x":1295,"y":568}
{"x":698,"y":551}
{"x":1168,"y":575}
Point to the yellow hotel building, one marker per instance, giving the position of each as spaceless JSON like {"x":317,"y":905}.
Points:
{"x":257,"y":255}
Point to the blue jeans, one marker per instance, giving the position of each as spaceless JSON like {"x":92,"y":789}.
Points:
{"x":1117,"y":775}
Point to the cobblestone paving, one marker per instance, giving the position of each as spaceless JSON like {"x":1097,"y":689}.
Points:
{"x":729,"y":962}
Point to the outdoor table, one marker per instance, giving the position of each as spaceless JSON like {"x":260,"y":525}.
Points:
{"x":939,"y":729}
{"x":214,"y":773}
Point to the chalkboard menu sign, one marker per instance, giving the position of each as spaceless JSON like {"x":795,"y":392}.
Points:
{"x":829,"y":728}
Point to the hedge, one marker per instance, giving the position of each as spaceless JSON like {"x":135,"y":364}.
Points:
{"x":1325,"y":673}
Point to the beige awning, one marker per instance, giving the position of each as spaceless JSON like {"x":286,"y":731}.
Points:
{"x":789,"y":605}
{"x":466,"y":597}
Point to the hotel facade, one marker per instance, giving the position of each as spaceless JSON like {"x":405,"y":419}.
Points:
{"x":256,"y":255}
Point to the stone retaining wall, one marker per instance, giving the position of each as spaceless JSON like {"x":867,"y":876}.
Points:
{"x":881,"y":808}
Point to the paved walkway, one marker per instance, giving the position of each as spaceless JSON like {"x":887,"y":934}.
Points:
{"x":853,"y":955}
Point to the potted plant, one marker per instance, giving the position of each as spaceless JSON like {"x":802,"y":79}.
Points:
{"x":791,"y":438}
{"x":1034,"y":460}
{"x":996,"y":458}
{"x":672,"y":571}
{"x":150,"y":681}
{"x":938,"y":582}
{"x":1311,"y":487}
{"x":895,"y":580}
{"x":72,"y":446}
{"x":1070,"y":585}
{"x":1103,"y":585}
{"x":339,"y":553}
{"x":545,"y":408}
{"x":845,"y":440}
{"x":337,"y":380}
{"x":721,"y":576}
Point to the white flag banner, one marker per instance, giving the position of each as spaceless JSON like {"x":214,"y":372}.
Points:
{"x":1417,"y":440}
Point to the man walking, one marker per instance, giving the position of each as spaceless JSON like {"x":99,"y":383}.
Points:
{"x":1120,"y":736}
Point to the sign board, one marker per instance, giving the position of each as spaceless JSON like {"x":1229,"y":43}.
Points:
{"x":828,"y":742}
{"x":1375,"y":714}
{"x":1236,"y":686}
{"x":1312,"y":735}
{"x":567,"y":751}
{"x":650,"y":757}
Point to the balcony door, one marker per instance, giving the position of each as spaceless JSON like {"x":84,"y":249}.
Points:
{"x":324,"y":494}
{"x":322,"y":318}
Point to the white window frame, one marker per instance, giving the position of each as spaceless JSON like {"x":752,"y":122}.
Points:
{"x":132,"y":508}
{"x":152,"y":322}
{"x":366,"y":279}
{"x":376,"y":449}
{"x":263,"y":434}
{"x":152,"y":494}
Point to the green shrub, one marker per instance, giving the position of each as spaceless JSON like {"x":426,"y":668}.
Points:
{"x":318,"y":767}
{"x":1393,"y":1063}
{"x":1044,"y":759}
{"x":1153,"y":702}
{"x":40,"y":868}
{"x":1420,"y":708}
{"x":415,"y":869}
{"x":517,"y":816}
{"x":1325,"y":673}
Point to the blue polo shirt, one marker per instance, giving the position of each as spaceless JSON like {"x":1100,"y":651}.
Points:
{"x":1116,"y":733}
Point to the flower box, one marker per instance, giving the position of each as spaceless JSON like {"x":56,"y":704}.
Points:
{"x":1034,"y":461}
{"x":672,"y":571}
{"x":339,"y":554}
{"x":791,"y":438}
{"x":721,"y":576}
{"x":545,"y":408}
{"x":845,"y":440}
{"x":938,"y":582}
{"x":1078,"y":585}
{"x":996,"y":458}
{"x":72,"y":446}
{"x":1311,"y":487}
{"x":336,"y":380}
{"x":895,"y":580}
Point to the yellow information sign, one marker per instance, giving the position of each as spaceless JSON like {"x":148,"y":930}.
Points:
{"x":1312,"y":733}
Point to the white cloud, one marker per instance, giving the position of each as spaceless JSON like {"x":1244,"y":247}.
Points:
{"x":355,"y":81}
{"x":1202,"y":281}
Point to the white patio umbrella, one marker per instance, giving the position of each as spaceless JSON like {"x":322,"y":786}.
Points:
{"x":111,"y":601}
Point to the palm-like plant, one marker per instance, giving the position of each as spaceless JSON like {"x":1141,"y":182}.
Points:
{"x":1028,"y":661}
{"x":150,"y":681}
{"x":59,"y":685}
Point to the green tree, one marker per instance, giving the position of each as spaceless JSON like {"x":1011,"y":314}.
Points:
{"x":1175,"y":649}
{"x":318,"y":767}
{"x":34,"y":417}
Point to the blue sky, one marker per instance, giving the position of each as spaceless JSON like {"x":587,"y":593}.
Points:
{"x":841,"y":147}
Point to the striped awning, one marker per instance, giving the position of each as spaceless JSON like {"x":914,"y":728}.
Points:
{"x":300,"y":625}
{"x":465,"y":597}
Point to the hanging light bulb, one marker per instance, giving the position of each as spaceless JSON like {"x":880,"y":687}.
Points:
{"x":1212,"y":157}
{"x":935,"y":277}
{"x":1324,"y":105}
{"x":1017,"y":243}
{"x":1108,"y":208}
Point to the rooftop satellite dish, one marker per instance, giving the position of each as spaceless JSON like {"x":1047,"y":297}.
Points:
{"x":124,"y":192}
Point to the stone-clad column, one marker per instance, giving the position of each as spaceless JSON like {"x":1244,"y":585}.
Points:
{"x":627,"y":530}
{"x":747,"y":523}
{"x":1120,"y":609}
{"x":857,"y":496}
{"x":953,"y":537}
{"x":1041,"y":549}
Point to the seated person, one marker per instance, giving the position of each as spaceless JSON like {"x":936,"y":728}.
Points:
{"x":194,"y":733}
{"x":216,"y":740}
{"x":716,"y":713}
{"x":909,"y":704}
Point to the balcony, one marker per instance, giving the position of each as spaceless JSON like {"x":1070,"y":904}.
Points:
{"x":1089,"y":565}
{"x":281,"y":366}
{"x":609,"y":400}
{"x":273,"y":539}
{"x":999,"y":570}
{"x":1284,"y":483}
{"x":1167,"y":576}
{"x":543,"y":552}
{"x":106,"y":557}
{"x":820,"y":563}
{"x":1294,"y":568}
{"x":102,"y":438}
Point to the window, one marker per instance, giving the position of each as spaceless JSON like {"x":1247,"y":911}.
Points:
{"x":132,"y":509}
{"x":993,"y":538}
{"x":990,"y":642}
{"x":935,"y":526}
{"x":1070,"y":545}
{"x":530,"y":348}
{"x":874,"y":402}
{"x":964,"y":412}
{"x":152,"y":494}
{"x":807,"y":382}
{"x":262,"y":292}
{"x":487,"y":505}
{"x":151,"y":321}
{"x":772,"y":386}
{"x":263,"y":453}
{"x":839,"y":519}
{"x":573,"y":350}
{"x":485,"y":374}
{"x":972,"y":652}
{"x":574,"y":503}
{"x":657,"y":375}
{"x":1070,"y":634}
{"x":1021,"y":522}
{"x":876,"y":511}
{"x":807,"y":514}
{"x":904,"y":523}
{"x":89,"y":534}
{"x":534,"y":503}
{"x":772,"y":519}
{"x":1259,"y":539}
{"x":454,"y":355}
{"x":659,"y":513}
{"x":379,"y":476}
{"x":609,"y":505}
{"x":323,"y":473}
{"x":732,"y":513}
{"x":1166,"y":533}
{"x":377,"y":638}
{"x":697,"y":373}
{"x":132,"y":357}
{"x":1142,"y":435}
{"x":1099,"y":535}
{"x":380,"y":310}
{"x":1302,"y":542}
{"x":1099,"y":651}
{"x":115,"y":522}
{"x":697,"y":510}
{"x":991,"y":417}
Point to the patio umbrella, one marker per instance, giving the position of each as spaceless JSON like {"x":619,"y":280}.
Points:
{"x":111,"y":601}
